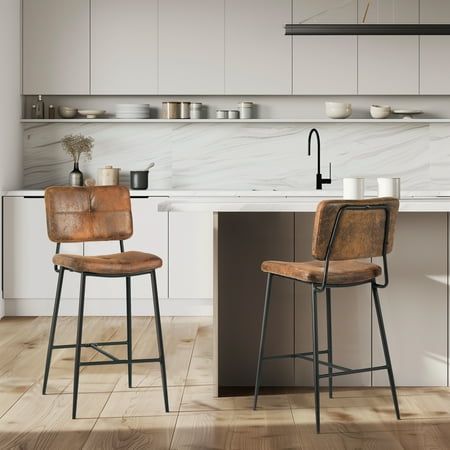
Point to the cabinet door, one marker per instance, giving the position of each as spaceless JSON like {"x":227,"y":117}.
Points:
{"x":415,"y":303}
{"x":27,"y":252}
{"x":191,"y":41}
{"x":389,"y":11}
{"x":388,"y":65}
{"x":257,"y":53}
{"x":325,"y":64}
{"x":124,"y":47}
{"x":56,"y":47}
{"x":190,"y":255}
{"x":149,"y":235}
{"x":434,"y":50}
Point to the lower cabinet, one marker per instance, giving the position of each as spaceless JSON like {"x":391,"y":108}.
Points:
{"x":191,"y":255}
{"x":414,"y":307}
{"x":415,"y":303}
{"x":149,"y":235}
{"x":27,"y":252}
{"x":185,"y":246}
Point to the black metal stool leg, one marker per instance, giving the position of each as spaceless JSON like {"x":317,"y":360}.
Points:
{"x":162,"y":360}
{"x":51,"y":338}
{"x":129,"y":334}
{"x":387,"y":357}
{"x":263,"y":336}
{"x":76,"y":373}
{"x":329,"y":344}
{"x":315,"y":339}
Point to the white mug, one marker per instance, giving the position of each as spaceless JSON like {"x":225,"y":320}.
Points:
{"x":389,"y":187}
{"x":353,"y":188}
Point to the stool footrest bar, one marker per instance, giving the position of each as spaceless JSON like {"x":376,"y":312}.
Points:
{"x":293,"y":355}
{"x":89,"y":344}
{"x":120,"y":361}
{"x":351,"y":371}
{"x":103,"y":352}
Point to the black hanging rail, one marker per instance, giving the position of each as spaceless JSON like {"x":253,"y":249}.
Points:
{"x":300,"y":29}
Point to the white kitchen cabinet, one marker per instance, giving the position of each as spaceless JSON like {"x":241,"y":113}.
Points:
{"x":124,"y":47}
{"x":434,"y":62}
{"x":190,"y":255}
{"x":390,"y":11}
{"x":434,"y":11}
{"x":415,"y":303}
{"x":257,"y":53}
{"x":325,"y":11}
{"x":191,"y":47}
{"x":27,"y":252}
{"x":434,"y":65}
{"x":149,"y":235}
{"x":56,"y":47}
{"x":324,"y":65}
{"x":388,"y":65}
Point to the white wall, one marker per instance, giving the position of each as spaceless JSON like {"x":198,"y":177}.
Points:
{"x":10,"y":100}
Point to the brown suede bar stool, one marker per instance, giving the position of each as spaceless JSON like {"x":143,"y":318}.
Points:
{"x":345,"y":231}
{"x":79,"y":214}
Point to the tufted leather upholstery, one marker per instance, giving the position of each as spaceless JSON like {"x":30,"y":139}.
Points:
{"x":103,"y":213}
{"x":339,"y":272}
{"x":82,"y":214}
{"x":360,"y":233}
{"x":126,"y":263}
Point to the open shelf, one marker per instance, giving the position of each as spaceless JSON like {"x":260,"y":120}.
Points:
{"x":318,"y":120}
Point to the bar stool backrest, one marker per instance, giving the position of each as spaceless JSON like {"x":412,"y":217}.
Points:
{"x":353,"y":229}
{"x":83,"y":214}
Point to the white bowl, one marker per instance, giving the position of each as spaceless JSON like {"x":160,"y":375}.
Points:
{"x":336,"y":110}
{"x":91,"y":113}
{"x":66,"y":112}
{"x":380,"y":111}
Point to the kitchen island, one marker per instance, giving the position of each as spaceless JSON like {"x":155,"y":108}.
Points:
{"x":251,"y":227}
{"x":233,"y":231}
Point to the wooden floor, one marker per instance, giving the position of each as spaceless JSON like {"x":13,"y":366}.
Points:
{"x":115,"y":417}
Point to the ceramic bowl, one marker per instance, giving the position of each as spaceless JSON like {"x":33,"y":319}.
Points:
{"x":380,"y":111}
{"x":336,"y":110}
{"x":91,"y":113}
{"x":66,"y":112}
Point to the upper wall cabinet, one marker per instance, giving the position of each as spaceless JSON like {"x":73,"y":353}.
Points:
{"x":257,"y":53}
{"x":388,"y":64}
{"x":56,"y":47}
{"x":389,"y":11}
{"x":191,"y":47}
{"x":325,"y":64}
{"x":434,"y":50}
{"x":124,"y":47}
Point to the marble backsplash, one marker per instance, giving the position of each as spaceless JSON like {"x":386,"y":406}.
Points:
{"x":246,"y":156}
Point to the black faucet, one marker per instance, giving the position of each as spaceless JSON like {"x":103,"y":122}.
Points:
{"x":319,"y":180}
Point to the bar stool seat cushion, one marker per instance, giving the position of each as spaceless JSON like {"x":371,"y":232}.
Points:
{"x":126,"y":263}
{"x":339,"y":272}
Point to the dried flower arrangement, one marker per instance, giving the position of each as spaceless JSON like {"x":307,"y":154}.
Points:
{"x":76,"y":144}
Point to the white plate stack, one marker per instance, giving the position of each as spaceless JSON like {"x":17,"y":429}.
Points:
{"x":133,"y":111}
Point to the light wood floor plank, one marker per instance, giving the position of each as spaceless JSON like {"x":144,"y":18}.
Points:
{"x":115,"y":417}
{"x":132,"y":433}
{"x":201,"y":368}
{"x":44,"y":422}
{"x":179,"y":335}
{"x":144,"y":402}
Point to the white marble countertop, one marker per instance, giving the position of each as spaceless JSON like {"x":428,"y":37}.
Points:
{"x":264,"y":201}
{"x":284,"y":204}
